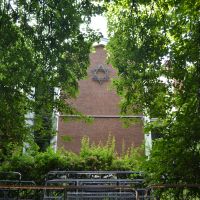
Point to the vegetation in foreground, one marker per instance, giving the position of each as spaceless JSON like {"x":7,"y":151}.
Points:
{"x":153,"y":44}
{"x":34,"y":165}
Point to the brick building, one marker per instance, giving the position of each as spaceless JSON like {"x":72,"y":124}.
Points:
{"x":97,"y":99}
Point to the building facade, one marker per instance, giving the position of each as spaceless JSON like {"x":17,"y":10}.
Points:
{"x":97,"y":99}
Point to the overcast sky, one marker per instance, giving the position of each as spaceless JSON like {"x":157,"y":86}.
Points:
{"x":99,"y":23}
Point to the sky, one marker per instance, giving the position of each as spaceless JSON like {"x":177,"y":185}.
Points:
{"x":99,"y":23}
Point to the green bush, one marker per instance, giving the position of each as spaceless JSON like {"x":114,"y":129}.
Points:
{"x":98,"y":157}
{"x":34,"y":165}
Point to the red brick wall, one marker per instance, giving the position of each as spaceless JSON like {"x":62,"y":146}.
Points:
{"x":98,"y":99}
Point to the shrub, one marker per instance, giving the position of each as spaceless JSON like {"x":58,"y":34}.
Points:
{"x":34,"y":165}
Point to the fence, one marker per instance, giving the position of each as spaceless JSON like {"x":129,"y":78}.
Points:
{"x":87,"y":185}
{"x":96,"y":184}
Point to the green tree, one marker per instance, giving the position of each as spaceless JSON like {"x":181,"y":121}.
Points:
{"x":155,"y":45}
{"x":41,"y":47}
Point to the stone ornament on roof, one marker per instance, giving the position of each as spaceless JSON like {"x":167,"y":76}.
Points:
{"x":100,"y":73}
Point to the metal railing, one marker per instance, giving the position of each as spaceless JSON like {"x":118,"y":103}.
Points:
{"x":96,"y":184}
{"x":72,"y":192}
{"x":93,"y":174}
{"x":88,"y":185}
{"x":9,"y":181}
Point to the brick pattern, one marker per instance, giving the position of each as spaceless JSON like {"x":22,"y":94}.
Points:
{"x":98,"y":99}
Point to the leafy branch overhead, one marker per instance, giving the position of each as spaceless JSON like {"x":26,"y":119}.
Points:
{"x":42,"y":47}
{"x":155,"y":45}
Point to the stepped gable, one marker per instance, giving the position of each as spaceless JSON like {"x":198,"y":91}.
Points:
{"x":96,"y":98}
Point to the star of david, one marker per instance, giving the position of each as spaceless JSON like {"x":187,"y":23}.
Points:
{"x":96,"y":74}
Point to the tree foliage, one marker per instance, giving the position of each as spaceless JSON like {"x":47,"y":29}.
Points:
{"x":155,"y":45}
{"x":42,"y":47}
